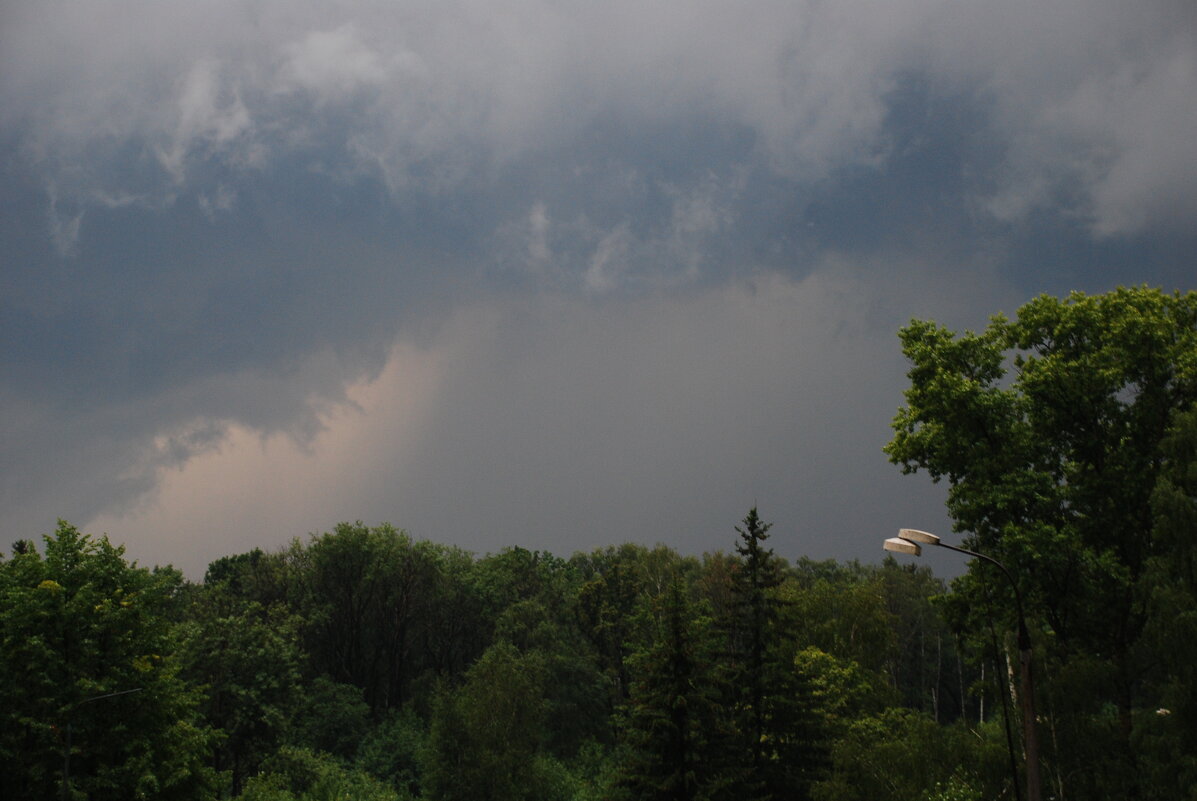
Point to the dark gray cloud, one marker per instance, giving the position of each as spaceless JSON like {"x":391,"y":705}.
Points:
{"x":568,"y":423}
{"x":219,"y":217}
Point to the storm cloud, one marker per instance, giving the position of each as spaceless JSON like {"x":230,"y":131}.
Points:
{"x":623,"y":269}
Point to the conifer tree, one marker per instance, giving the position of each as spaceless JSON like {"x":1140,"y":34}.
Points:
{"x":757,"y":615}
{"x":674,"y":731}
{"x":781,"y":749}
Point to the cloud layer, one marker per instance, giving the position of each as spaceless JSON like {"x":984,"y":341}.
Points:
{"x":225,"y":220}
{"x":124,"y":102}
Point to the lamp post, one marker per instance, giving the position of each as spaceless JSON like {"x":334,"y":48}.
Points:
{"x":910,"y":541}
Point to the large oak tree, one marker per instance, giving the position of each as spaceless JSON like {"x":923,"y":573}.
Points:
{"x":1048,"y":429}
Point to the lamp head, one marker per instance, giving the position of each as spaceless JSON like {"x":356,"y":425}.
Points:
{"x":899,"y":545}
{"x":914,"y":535}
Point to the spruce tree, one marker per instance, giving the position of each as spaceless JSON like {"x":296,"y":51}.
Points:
{"x":757,"y":614}
{"x":781,"y":749}
{"x":672,"y":739}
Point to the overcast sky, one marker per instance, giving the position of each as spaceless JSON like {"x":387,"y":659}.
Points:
{"x":553,"y":274}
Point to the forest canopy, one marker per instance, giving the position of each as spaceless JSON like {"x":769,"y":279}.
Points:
{"x":365,"y":662}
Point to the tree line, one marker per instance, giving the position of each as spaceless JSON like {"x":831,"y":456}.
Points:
{"x":363,"y":663}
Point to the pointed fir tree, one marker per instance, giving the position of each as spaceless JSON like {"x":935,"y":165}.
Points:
{"x":781,"y":748}
{"x":757,"y":615}
{"x":674,"y":728}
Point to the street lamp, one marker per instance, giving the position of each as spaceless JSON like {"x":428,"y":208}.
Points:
{"x":911,"y":541}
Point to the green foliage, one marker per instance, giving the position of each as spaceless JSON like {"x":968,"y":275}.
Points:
{"x":927,"y":668}
{"x":298,"y":774}
{"x":361,"y":591}
{"x":1049,"y":430}
{"x":901,"y":755}
{"x":331,"y":718}
{"x":1167,"y":738}
{"x":781,"y":742}
{"x":247,"y":660}
{"x":675,"y":733}
{"x":616,"y":583}
{"x":956,"y":788}
{"x":752,"y":634}
{"x":253,"y":576}
{"x":847,"y":617}
{"x":517,"y":574}
{"x":626,"y":673}
{"x":88,"y":658}
{"x":393,"y":751}
{"x":840,"y":689}
{"x":574,"y":691}
{"x":484,"y":740}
